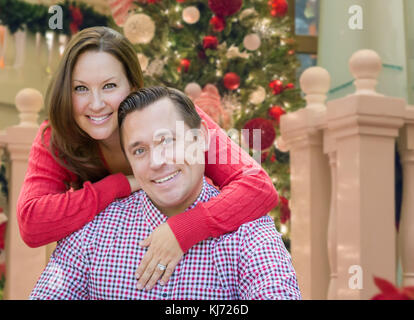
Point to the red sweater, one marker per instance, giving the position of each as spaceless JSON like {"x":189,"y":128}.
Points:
{"x":48,"y":212}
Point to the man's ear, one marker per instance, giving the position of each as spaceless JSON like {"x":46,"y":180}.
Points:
{"x":205,"y":135}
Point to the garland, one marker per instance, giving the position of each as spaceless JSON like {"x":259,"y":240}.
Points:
{"x":18,"y":15}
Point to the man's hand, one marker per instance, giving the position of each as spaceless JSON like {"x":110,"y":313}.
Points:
{"x":163,"y":249}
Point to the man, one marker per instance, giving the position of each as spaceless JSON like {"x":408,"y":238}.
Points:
{"x":164,"y":140}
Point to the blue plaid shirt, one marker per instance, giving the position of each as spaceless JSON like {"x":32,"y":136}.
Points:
{"x":99,"y":261}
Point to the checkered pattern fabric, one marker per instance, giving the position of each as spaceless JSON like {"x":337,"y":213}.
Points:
{"x":99,"y":261}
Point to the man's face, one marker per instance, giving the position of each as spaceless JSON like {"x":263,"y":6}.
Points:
{"x":163,"y":157}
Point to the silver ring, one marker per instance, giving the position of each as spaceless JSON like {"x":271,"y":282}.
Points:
{"x":161,"y":267}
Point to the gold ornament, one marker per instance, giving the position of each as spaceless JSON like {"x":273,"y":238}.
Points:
{"x":258,"y":96}
{"x":139,"y":28}
{"x":191,"y":15}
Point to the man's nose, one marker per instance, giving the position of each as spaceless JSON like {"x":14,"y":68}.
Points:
{"x":158,"y":158}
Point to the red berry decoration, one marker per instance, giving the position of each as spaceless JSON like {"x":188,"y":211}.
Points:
{"x":210,"y":42}
{"x":224,"y":8}
{"x":278,"y":8}
{"x":184,"y":65}
{"x":231,"y":81}
{"x":275,"y":112}
{"x":268,"y":133}
{"x":218,"y":24}
{"x":276,"y":86}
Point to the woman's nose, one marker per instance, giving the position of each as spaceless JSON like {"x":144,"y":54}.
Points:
{"x":97,"y":101}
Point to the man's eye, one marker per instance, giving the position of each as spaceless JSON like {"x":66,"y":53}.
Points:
{"x":110,"y":86}
{"x":80,"y":89}
{"x":139,"y":151}
{"x":167,"y":140}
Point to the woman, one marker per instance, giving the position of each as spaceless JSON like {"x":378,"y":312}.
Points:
{"x":76,"y":166}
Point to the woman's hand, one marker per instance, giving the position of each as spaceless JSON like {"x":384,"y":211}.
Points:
{"x":163,"y":249}
{"x":133,"y":183}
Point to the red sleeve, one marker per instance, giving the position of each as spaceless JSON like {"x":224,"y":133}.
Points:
{"x":46,"y":210}
{"x":247,"y":192}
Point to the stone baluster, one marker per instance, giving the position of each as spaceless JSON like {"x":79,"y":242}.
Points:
{"x":23,"y":264}
{"x":364,"y":126}
{"x":302,"y":132}
{"x":406,"y":227}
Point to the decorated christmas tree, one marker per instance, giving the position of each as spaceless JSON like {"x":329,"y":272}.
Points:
{"x":234,"y":58}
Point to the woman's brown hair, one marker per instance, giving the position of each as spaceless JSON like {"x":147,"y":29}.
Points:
{"x":70,"y":145}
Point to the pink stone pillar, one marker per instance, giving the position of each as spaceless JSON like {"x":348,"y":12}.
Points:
{"x":364,"y":127}
{"x":406,"y":230}
{"x":302,"y":131}
{"x":23,"y":264}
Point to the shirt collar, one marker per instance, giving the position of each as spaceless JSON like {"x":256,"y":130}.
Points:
{"x":155,"y":217}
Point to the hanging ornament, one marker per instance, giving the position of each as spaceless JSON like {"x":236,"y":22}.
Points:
{"x":231,"y":81}
{"x":210,"y":42}
{"x":180,"y":1}
{"x":247,"y":13}
{"x":267,"y":132}
{"x":77,"y":19}
{"x":291,"y":52}
{"x":284,"y":210}
{"x":290,"y":85}
{"x":193,"y":90}
{"x":233,"y":52}
{"x":184,"y":65}
{"x":276,"y":86}
{"x":156,"y":67}
{"x":217,"y":23}
{"x":278,"y":8}
{"x":275,"y":112}
{"x":191,"y":15}
{"x":139,"y":28}
{"x":258,"y":96}
{"x":210,"y":102}
{"x":143,"y":61}
{"x":224,"y":8}
{"x":252,"y":42}
{"x":119,"y":10}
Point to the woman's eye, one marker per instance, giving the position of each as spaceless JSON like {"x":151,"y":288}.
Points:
{"x":80,"y":88}
{"x":110,"y":86}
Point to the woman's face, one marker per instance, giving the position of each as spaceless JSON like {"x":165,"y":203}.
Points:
{"x":99,"y":84}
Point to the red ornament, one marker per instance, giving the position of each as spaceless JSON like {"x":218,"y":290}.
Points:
{"x":218,"y":24}
{"x":180,"y":1}
{"x":276,"y":86}
{"x":278,"y":8}
{"x":77,"y":19}
{"x":275,"y":112}
{"x":231,"y":81}
{"x":290,"y":85}
{"x":184,"y":65}
{"x":273,"y":158}
{"x":284,"y":210}
{"x":224,"y":8}
{"x":210,"y":42}
{"x":268,"y":133}
{"x":291,"y":52}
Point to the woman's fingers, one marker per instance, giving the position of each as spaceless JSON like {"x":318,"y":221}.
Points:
{"x":149,"y":270}
{"x":164,"y":247}
{"x":169,"y":271}
{"x":158,"y":272}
